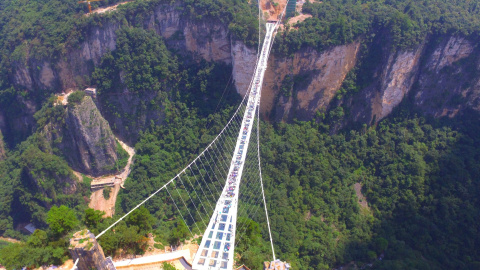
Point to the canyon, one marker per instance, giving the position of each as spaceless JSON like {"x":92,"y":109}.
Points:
{"x":441,"y":74}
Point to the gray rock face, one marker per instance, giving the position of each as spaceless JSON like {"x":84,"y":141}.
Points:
{"x":89,"y":144}
{"x":318,"y":76}
{"x":2,"y":147}
{"x":449,"y":82}
{"x":85,"y":248}
{"x":136,"y":114}
{"x":442,"y":74}
{"x":208,"y":40}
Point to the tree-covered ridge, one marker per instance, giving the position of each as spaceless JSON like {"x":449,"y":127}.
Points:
{"x":421,"y":182}
{"x":35,"y":173}
{"x":45,"y":29}
{"x":144,"y":71}
{"x":419,"y":178}
{"x":41,"y":28}
{"x":403,"y":24}
{"x":36,"y":33}
{"x":34,"y":176}
{"x":240,"y":16}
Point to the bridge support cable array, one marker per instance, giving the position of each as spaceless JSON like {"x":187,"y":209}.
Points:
{"x":211,"y":164}
{"x":207,"y":192}
{"x":217,"y":248}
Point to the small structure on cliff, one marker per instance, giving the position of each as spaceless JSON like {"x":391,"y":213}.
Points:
{"x":104,"y":182}
{"x":291,"y":8}
{"x":85,"y":248}
{"x":91,"y":91}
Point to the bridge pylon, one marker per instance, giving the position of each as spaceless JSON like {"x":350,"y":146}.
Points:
{"x":87,"y":253}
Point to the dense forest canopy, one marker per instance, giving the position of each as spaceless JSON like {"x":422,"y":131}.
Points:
{"x":406,"y":190}
{"x":403,"y":24}
{"x":32,"y":32}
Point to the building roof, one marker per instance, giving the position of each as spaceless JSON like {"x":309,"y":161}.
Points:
{"x":30,"y":228}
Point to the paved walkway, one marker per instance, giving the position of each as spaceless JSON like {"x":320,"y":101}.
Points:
{"x":178,"y":258}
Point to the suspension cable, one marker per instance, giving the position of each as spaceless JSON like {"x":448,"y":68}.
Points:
{"x":261,"y":180}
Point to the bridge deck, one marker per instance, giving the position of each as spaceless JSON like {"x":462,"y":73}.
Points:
{"x":218,"y":243}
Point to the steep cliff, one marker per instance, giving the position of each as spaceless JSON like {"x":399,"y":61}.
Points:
{"x":449,"y":81}
{"x":440,"y":73}
{"x":439,"y":78}
{"x":2,"y":147}
{"x":207,"y":39}
{"x":201,"y":39}
{"x":298,"y":86}
{"x":89,"y":145}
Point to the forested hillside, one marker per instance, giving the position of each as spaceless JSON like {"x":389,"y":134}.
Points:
{"x":403,"y":24}
{"x":341,"y":190}
{"x":419,"y":177}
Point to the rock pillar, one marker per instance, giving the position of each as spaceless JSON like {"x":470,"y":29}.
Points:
{"x":85,"y":248}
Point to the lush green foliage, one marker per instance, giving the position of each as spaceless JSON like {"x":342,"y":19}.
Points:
{"x":42,"y":247}
{"x":154,"y":78}
{"x":241,"y":16}
{"x":421,"y":184}
{"x":106,"y":192}
{"x":61,"y":219}
{"x":129,"y":235}
{"x":75,"y":98}
{"x":168,"y":266}
{"x":31,"y":179}
{"x":421,"y":179}
{"x":51,"y":246}
{"x":405,"y":167}
{"x":122,"y":158}
{"x":35,"y":177}
{"x":2,"y":147}
{"x":402,"y":24}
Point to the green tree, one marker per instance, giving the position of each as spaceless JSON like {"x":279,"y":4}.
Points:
{"x":179,"y":233}
{"x":61,"y":219}
{"x":75,"y":98}
{"x":141,"y":217}
{"x":168,"y":266}
{"x":93,"y":218}
{"x":106,"y":192}
{"x":38,"y":238}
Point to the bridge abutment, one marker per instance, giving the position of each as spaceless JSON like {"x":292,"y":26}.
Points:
{"x":85,"y":248}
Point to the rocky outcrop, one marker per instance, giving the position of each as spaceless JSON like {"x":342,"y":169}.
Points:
{"x":88,"y":142}
{"x":449,"y":82}
{"x":442,"y":77}
{"x":85,"y":248}
{"x":2,"y":147}
{"x":397,"y":79}
{"x":209,"y":40}
{"x":314,"y":78}
{"x":206,"y":39}
{"x":243,"y":59}
{"x":442,"y":74}
{"x":70,"y":70}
